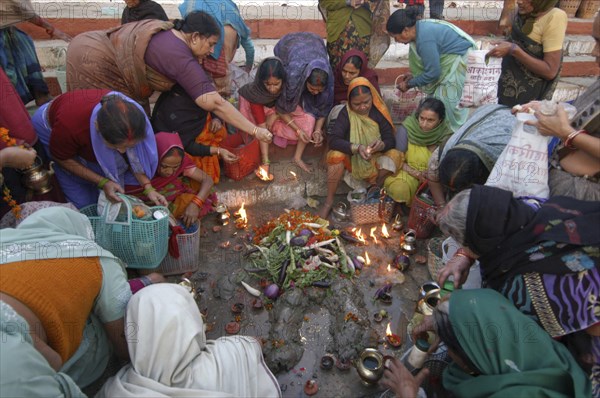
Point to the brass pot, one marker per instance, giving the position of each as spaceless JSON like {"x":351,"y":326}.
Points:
{"x":427,"y":304}
{"x":37,"y":178}
{"x":340,"y":211}
{"x":370,"y":365}
{"x":409,"y":242}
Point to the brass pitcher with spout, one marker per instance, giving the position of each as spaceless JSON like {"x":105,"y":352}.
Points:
{"x":36,"y":178}
{"x":370,"y":365}
{"x":409,"y":242}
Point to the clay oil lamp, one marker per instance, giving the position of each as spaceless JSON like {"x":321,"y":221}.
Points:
{"x":372,"y":235}
{"x":343,"y":364}
{"x":359,"y":235}
{"x":232,"y":328}
{"x":311,"y":387}
{"x":257,"y":304}
{"x":263,"y":175}
{"x":327,"y":362}
{"x":384,"y":232}
{"x":241,"y":218}
{"x":392,"y":339}
{"x":237,"y":308}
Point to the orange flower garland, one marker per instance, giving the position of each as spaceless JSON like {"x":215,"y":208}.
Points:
{"x":7,"y":197}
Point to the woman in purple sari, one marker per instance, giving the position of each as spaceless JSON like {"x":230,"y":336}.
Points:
{"x":100,"y":140}
{"x":307,"y":96}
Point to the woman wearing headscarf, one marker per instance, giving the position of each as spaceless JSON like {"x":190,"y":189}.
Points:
{"x":258,"y":98}
{"x":138,"y":10}
{"x":362,"y":141}
{"x":139,"y":58}
{"x":532,"y":58}
{"x":174,"y":359}
{"x":62,"y":305}
{"x":185,"y":187}
{"x":307,"y":97}
{"x":100,"y":140}
{"x":418,"y":136}
{"x":496,"y":351}
{"x":352,"y":65}
{"x":545,"y":261}
{"x":437,"y":59}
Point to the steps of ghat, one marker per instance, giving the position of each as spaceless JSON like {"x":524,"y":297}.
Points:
{"x":270,"y":20}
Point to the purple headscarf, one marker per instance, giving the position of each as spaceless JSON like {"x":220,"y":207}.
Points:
{"x":143,"y":157}
{"x":301,"y":53}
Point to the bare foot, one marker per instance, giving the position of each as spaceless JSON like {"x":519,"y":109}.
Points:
{"x":302,"y":165}
{"x":325,"y":210}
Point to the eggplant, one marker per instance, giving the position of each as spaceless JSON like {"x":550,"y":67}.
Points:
{"x":283,"y":271}
{"x":272,"y":291}
{"x":298,"y":241}
{"x":306,"y":232}
{"x":348,"y":237}
{"x":357,"y":264}
{"x":251,"y":251}
{"x":256,"y":270}
{"x":383,"y":291}
{"x":325,"y":283}
{"x":281,"y":248}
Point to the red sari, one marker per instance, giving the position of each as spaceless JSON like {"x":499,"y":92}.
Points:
{"x":177,"y":188}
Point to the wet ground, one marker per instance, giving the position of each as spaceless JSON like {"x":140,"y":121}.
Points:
{"x":303,"y":325}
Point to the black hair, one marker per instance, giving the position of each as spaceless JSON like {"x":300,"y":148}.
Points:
{"x":198,"y":22}
{"x":318,"y":77}
{"x":359,"y":90}
{"x":354,"y":60}
{"x":271,"y":68}
{"x":173,"y":151}
{"x":460,"y":169}
{"x":432,"y":104}
{"x":120,"y":121}
{"x":402,"y":19}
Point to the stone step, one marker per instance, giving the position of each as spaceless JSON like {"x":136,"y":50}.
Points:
{"x":52,"y":53}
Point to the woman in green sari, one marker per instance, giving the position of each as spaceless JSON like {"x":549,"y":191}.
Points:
{"x":496,"y":350}
{"x":361,"y":141}
{"x":437,"y":59}
{"x":418,"y":136}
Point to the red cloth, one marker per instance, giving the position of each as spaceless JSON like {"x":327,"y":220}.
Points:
{"x":173,"y":245}
{"x":13,"y":115}
{"x":258,"y":111}
{"x":340,"y":90}
{"x":69,"y":116}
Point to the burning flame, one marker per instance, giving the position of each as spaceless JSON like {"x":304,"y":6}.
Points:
{"x":367,"y":259}
{"x":388,"y":330}
{"x":263,"y":174}
{"x":384,"y":231}
{"x":293,"y":174}
{"x":242,"y":213}
{"x":359,"y":235}
{"x":389,"y":268}
{"x":372,"y":234}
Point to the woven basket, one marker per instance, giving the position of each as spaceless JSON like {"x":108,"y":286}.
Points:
{"x":372,"y":212}
{"x":420,"y":216}
{"x":434,"y":257}
{"x":588,"y":9}
{"x":569,"y":6}
{"x":189,"y":254}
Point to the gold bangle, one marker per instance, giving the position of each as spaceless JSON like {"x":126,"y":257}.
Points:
{"x":254,"y":131}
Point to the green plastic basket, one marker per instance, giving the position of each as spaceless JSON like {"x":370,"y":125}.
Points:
{"x":139,"y":243}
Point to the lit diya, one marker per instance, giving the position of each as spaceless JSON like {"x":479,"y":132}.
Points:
{"x":311,"y":387}
{"x":263,"y":174}
{"x":241,"y":218}
{"x":392,"y":339}
{"x":237,"y":308}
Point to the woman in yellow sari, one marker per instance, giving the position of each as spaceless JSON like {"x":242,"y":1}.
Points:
{"x":361,"y":141}
{"x":418,"y":136}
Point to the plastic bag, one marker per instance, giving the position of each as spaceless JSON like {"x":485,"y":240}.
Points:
{"x":117,"y":212}
{"x":523,"y":164}
{"x":481,"y":81}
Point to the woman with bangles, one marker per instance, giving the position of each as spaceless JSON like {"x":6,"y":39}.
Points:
{"x":307,"y":96}
{"x":362,"y":141}
{"x":258,"y":98}
{"x":185,"y":186}
{"x":100,"y":140}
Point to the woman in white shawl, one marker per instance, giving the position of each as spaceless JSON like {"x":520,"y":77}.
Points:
{"x":170,"y":356}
